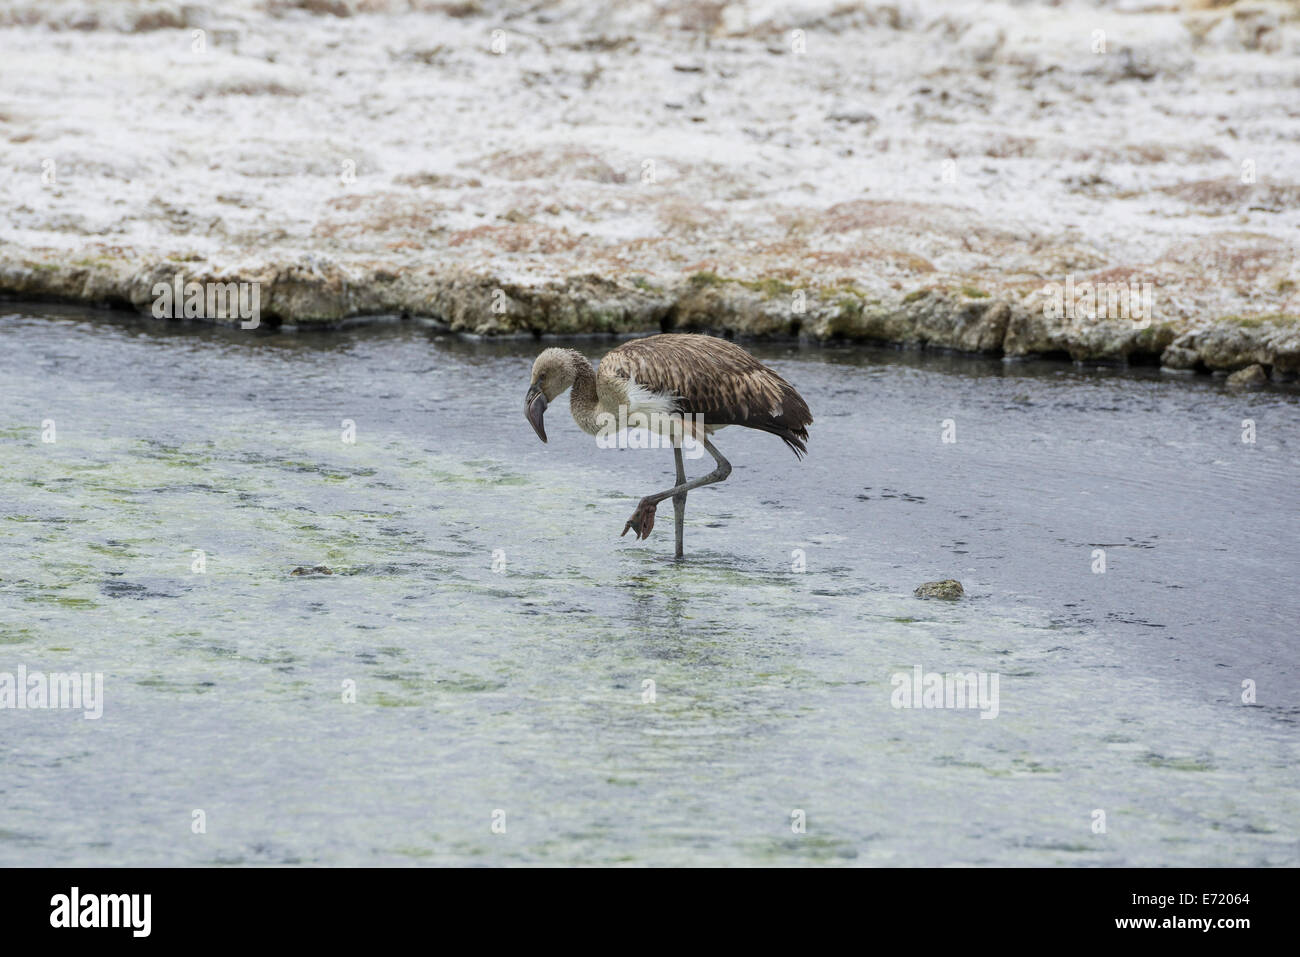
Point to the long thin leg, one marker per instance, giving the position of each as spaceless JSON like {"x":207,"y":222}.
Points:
{"x":679,"y":500}
{"x":643,"y":519}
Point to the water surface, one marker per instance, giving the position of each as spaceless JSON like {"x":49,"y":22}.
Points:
{"x":521,"y":690}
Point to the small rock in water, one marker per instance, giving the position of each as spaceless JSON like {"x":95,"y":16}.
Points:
{"x":948,"y":588}
{"x":314,"y":570}
{"x":1249,"y":376}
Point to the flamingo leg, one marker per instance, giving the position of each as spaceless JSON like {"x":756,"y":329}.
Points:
{"x":679,"y":500}
{"x":643,"y":519}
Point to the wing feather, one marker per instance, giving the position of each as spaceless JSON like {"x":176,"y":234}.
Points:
{"x":716,"y":379}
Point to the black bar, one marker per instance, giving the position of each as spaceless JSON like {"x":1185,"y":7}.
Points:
{"x":334,"y":906}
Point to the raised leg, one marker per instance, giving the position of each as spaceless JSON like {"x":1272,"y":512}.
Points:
{"x":643,"y":519}
{"x":679,"y":500}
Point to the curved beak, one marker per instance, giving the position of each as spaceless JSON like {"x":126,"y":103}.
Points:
{"x":534,"y":406}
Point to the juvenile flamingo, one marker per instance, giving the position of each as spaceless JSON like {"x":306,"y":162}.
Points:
{"x":686,"y":387}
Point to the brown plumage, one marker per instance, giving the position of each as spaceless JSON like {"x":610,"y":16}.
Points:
{"x":717,"y":379}
{"x":678,"y":382}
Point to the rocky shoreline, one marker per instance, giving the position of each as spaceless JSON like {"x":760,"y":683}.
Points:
{"x":324,"y":295}
{"x":734,"y":168}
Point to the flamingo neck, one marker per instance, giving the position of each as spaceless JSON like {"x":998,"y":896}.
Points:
{"x":583,"y":400}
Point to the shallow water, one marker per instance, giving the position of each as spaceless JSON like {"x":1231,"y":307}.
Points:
{"x":521,"y":690}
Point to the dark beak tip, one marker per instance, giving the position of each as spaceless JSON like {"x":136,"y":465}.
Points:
{"x":534,"y":408}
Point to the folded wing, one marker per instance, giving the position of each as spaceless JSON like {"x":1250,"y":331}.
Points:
{"x":716,"y":379}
